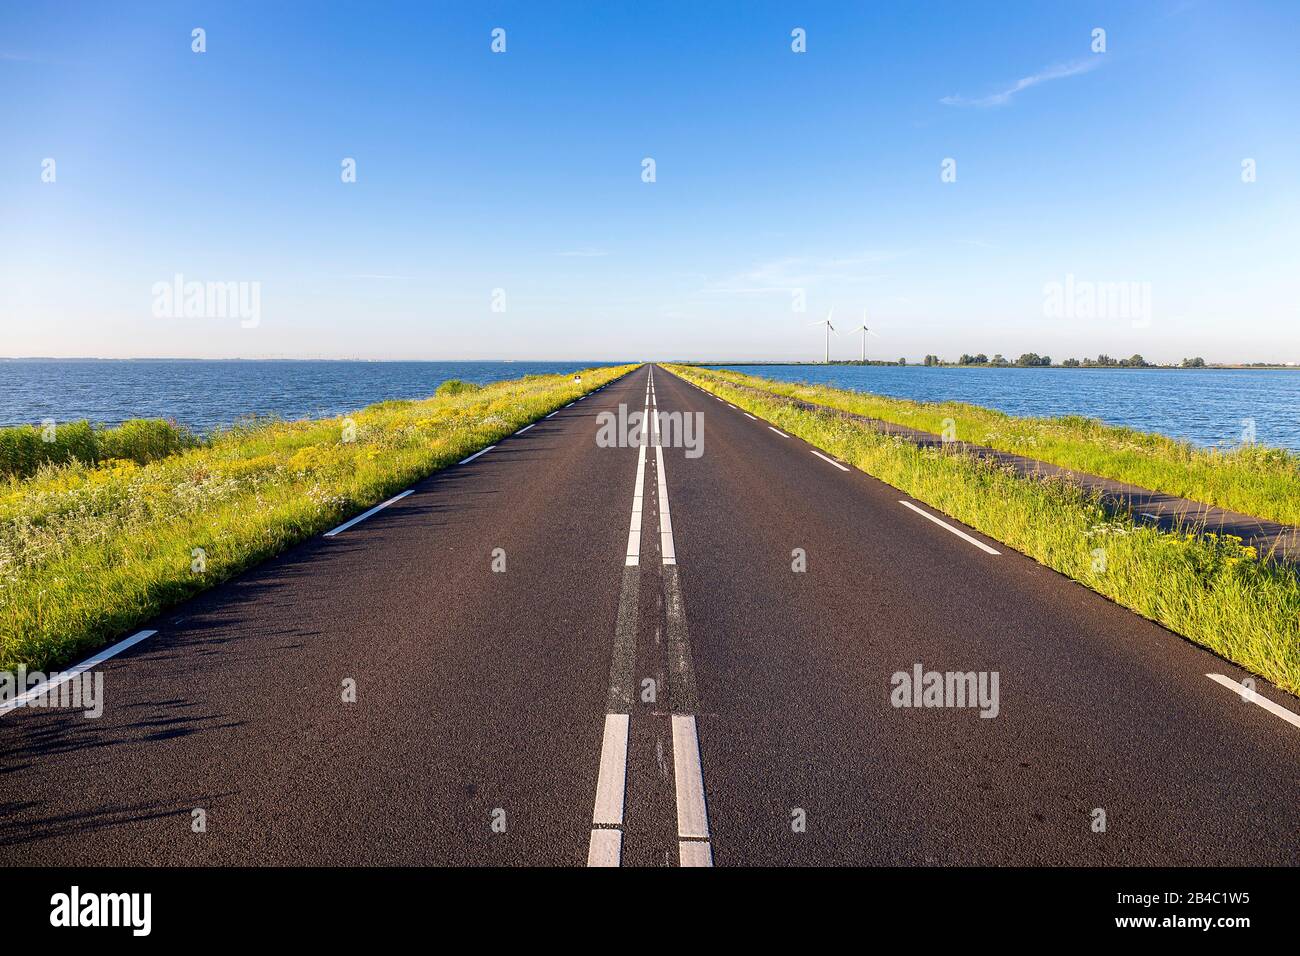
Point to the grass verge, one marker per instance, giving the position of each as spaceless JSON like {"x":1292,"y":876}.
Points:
{"x":89,"y":551}
{"x":1210,"y":589}
{"x":26,"y":449}
{"x":1252,"y":479}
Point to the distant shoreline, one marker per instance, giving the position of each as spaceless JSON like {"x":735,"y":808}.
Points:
{"x":591,"y":363}
{"x":1208,"y":366}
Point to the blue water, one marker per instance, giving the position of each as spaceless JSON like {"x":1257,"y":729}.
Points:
{"x":1204,"y":406}
{"x":203,"y":394}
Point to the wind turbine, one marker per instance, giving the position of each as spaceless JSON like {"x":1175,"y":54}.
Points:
{"x":829,"y":329}
{"x":865,"y":332}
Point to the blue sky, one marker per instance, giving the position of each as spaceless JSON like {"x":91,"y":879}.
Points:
{"x":775,"y":171}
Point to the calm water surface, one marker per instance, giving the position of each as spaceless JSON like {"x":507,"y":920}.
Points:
{"x":205,"y":394}
{"x":1205,"y":406}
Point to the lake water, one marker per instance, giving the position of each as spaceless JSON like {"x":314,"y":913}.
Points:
{"x":203,"y":394}
{"x":1205,"y":406}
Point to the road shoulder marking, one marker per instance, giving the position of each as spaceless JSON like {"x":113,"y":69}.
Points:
{"x":65,"y":676}
{"x":778,"y":431}
{"x":831,"y":460}
{"x":957,"y":531}
{"x":379,"y":507}
{"x":1277,"y":710}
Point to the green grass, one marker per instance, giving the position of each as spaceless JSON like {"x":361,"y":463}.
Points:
{"x":26,"y":449}
{"x":89,"y":551}
{"x":1210,"y":589}
{"x":1252,"y":479}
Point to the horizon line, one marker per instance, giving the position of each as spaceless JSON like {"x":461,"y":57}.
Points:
{"x":591,"y":362}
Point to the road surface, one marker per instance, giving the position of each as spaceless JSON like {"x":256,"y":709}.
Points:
{"x":548,"y":670}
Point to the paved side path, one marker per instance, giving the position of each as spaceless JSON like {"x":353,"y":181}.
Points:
{"x":1157,"y":508}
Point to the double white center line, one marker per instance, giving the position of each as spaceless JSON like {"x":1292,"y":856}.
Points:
{"x":693,"y":847}
{"x":606,"y":844}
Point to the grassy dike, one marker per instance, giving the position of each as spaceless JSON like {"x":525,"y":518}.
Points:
{"x":1252,"y":479}
{"x":1209,"y":589}
{"x":89,"y":551}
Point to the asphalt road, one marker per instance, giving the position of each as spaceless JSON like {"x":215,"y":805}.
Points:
{"x":701,"y":672}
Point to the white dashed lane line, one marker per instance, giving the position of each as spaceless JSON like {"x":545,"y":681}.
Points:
{"x":380,"y":507}
{"x":831,"y":460}
{"x":957,"y":531}
{"x":466,"y":461}
{"x":50,"y":685}
{"x":524,"y":429}
{"x":1256,"y":698}
{"x":778,"y":431}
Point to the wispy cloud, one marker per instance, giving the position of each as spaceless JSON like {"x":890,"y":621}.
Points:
{"x":1004,"y":97}
{"x":803,"y":272}
{"x":10,"y":57}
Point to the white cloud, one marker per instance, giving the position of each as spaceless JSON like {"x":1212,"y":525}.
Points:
{"x":1051,"y":73}
{"x":8,"y":57}
{"x":803,"y":272}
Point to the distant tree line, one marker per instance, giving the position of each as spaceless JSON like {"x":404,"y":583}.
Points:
{"x":1033,"y":359}
{"x":1025,"y":361}
{"x":1105,"y":361}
